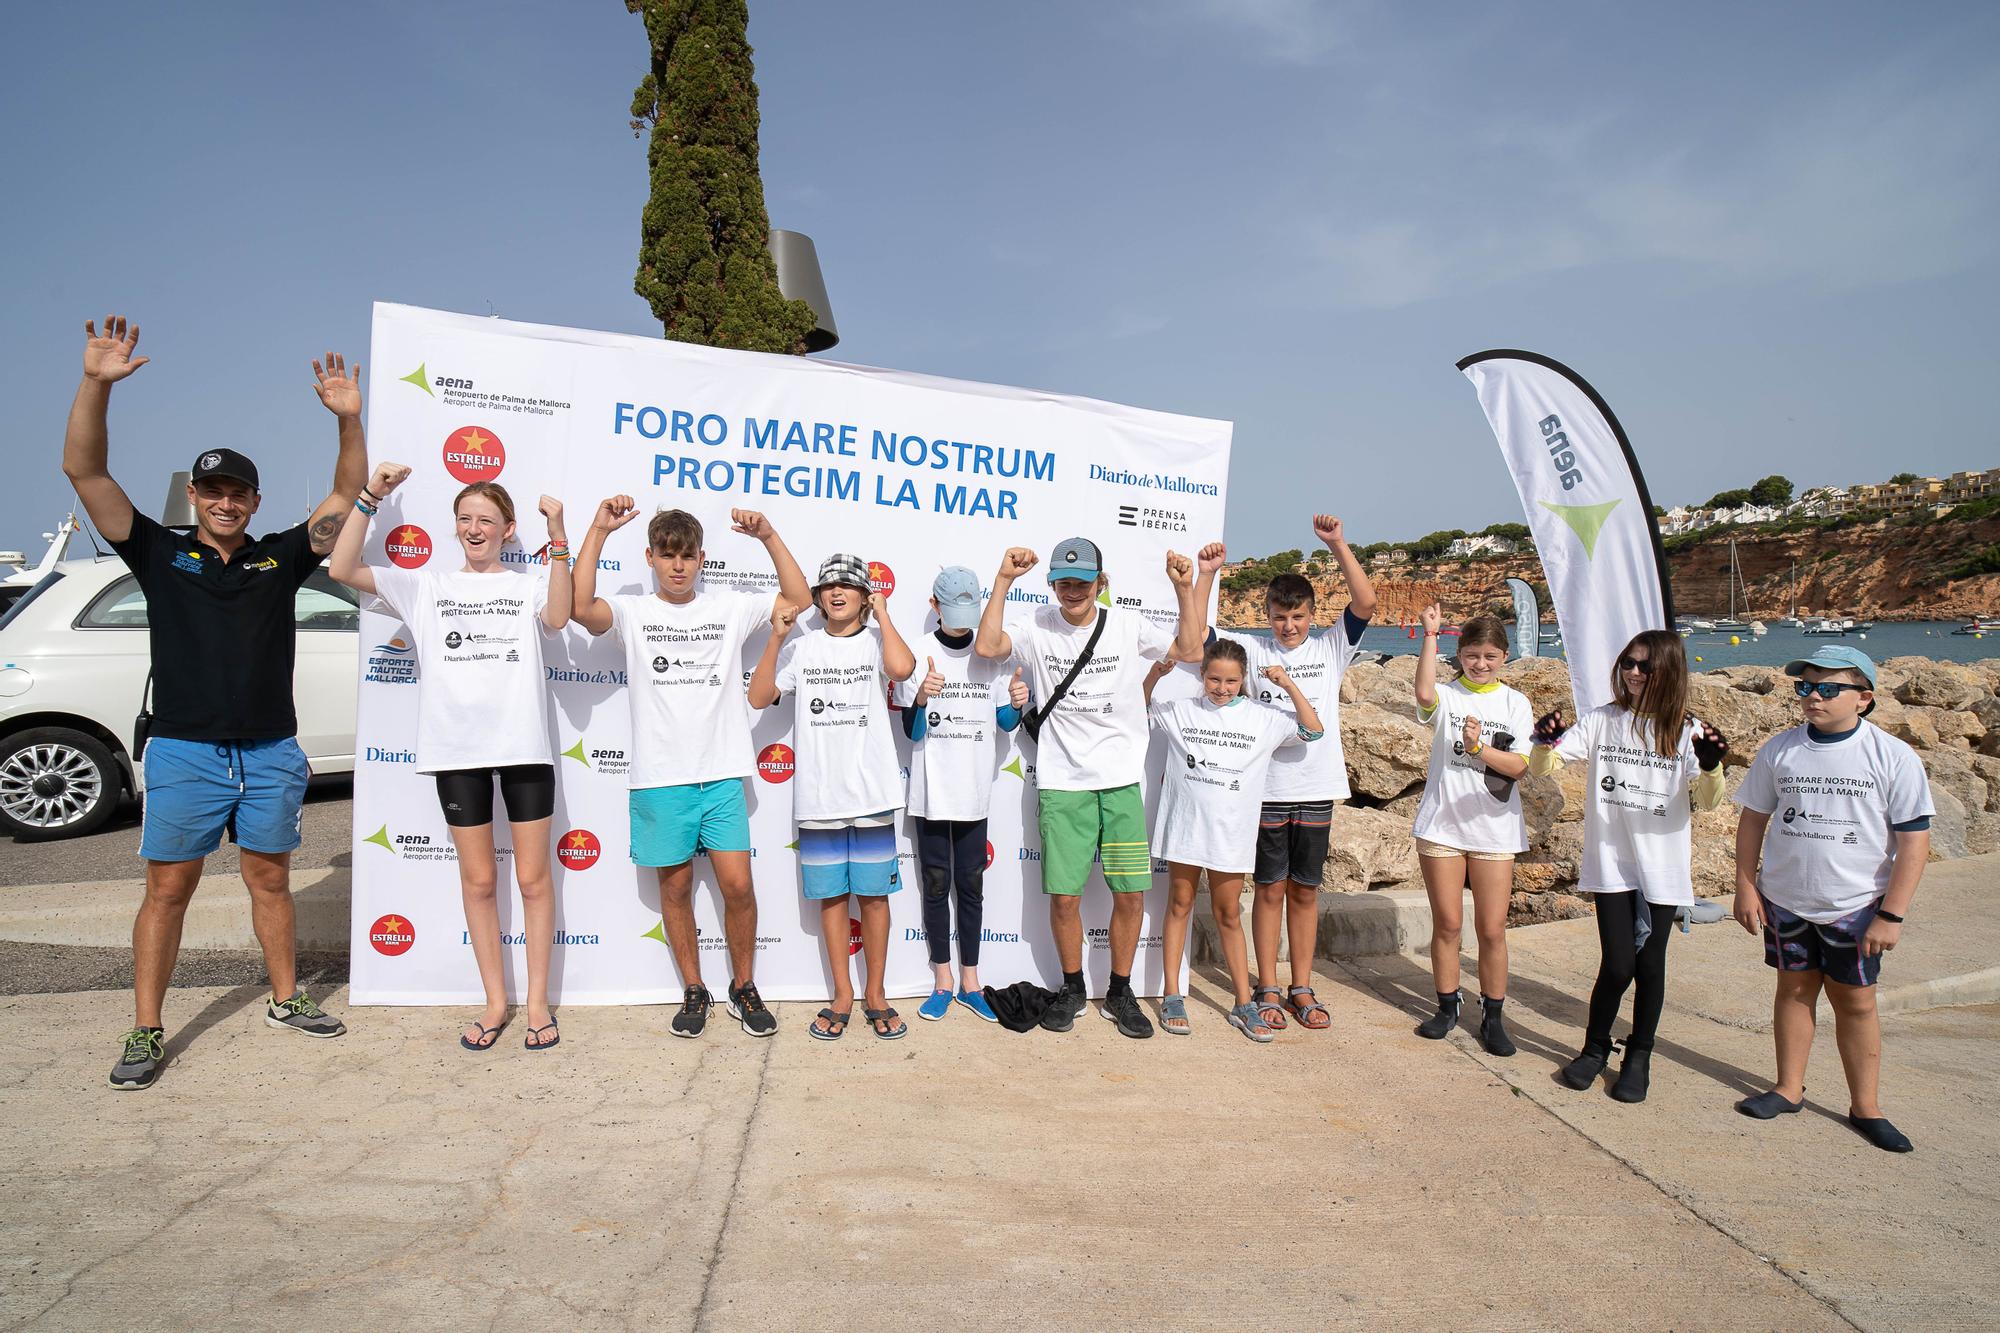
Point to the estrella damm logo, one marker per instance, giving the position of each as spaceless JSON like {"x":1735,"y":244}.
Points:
{"x":989,"y":855}
{"x":472,"y":454}
{"x":881,"y":578}
{"x":853,"y":936}
{"x":392,"y":935}
{"x":407,"y":546}
{"x":578,"y":849}
{"x":774,"y":762}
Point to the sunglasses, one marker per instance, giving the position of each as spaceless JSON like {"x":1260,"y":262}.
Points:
{"x":1825,"y":689}
{"x":1642,"y":665}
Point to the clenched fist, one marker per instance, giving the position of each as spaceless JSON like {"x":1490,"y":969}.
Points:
{"x":1018,"y":561}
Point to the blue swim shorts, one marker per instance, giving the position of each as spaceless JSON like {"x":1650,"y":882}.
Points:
{"x":858,"y":859}
{"x":1794,"y":944}
{"x":670,"y":823}
{"x":197,"y":791}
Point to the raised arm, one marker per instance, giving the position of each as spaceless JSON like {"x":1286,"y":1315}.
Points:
{"x":347,"y":566}
{"x":555,"y":612}
{"x":1207,"y":561}
{"x":341,"y":392}
{"x":897,"y":659}
{"x":586,"y":607}
{"x":1360,"y":592}
{"x":993,"y":639}
{"x":1309,"y":723}
{"x":1155,"y":674}
{"x":763,"y":688}
{"x":107,"y":358}
{"x":1193,"y":628}
{"x":1427,"y":661}
{"x":792,"y":586}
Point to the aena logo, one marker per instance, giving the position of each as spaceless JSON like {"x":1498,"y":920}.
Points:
{"x":472,"y":454}
{"x":394,"y":843}
{"x":774,"y":762}
{"x":392,"y":935}
{"x":578,"y":849}
{"x":407,"y":546}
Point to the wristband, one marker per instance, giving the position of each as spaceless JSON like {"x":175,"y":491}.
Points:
{"x":1884,"y":914}
{"x":366,"y":508}
{"x":372,"y":496}
{"x":1477,"y":746}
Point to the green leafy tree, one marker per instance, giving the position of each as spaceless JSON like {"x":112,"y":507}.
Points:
{"x":1512,"y":532}
{"x":1729,"y":499}
{"x":1772,"y":490}
{"x":1902,"y":478}
{"x":704,"y":260}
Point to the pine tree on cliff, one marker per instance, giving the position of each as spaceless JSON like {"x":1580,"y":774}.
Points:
{"x":704,"y":262}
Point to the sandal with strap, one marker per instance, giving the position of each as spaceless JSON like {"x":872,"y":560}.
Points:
{"x":1312,"y":1015}
{"x":487,"y":1036}
{"x":534,"y":1041}
{"x":879,"y":1019}
{"x":1272,"y":1011}
{"x":1173,"y":1009}
{"x":1246,"y":1019}
{"x":830,"y":1032}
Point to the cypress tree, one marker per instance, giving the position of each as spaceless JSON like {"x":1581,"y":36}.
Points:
{"x":704,"y":261}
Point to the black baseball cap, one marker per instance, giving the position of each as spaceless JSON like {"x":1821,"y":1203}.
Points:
{"x":224,"y":463}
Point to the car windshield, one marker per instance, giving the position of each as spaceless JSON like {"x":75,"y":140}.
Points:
{"x":48,"y":581}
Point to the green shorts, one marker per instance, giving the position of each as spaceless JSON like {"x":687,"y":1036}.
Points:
{"x":1080,"y":826}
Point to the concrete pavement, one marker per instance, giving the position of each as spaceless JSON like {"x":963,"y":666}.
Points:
{"x":973,"y":1177}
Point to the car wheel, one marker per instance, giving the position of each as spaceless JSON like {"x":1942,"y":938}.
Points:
{"x":56,"y":783}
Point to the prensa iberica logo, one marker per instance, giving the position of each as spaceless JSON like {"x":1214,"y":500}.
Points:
{"x":881,"y":578}
{"x":578,"y":849}
{"x":407,"y":546}
{"x":472,"y":454}
{"x":392,"y":935}
{"x":774,"y":762}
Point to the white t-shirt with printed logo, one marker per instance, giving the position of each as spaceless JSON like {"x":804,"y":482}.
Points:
{"x":846,"y":764}
{"x":1640,"y":806}
{"x":1218,"y":760}
{"x":952,"y":768}
{"x":1096,"y":737}
{"x":1466,"y":804}
{"x":684,"y":682}
{"x":1829,"y":850}
{"x":1315,"y":772}
{"x":484,"y":702}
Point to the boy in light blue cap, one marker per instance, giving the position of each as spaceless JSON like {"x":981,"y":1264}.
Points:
{"x":1839,"y":869}
{"x":957,"y":712}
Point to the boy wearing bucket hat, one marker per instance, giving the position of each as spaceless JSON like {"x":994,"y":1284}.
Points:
{"x":846,"y":779}
{"x":1091,"y":756}
{"x":956,"y":712}
{"x":1829,"y":880}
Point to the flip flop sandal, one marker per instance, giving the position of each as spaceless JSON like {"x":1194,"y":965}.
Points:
{"x":829,"y":1032}
{"x":1307,"y":1013}
{"x":538,"y":1044}
{"x":1246,"y":1020}
{"x":1272,"y":1011}
{"x":1174,"y":1007}
{"x":877,"y":1017}
{"x":487,"y":1036}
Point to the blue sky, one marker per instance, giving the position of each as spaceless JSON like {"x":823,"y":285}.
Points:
{"x":1764,"y":232}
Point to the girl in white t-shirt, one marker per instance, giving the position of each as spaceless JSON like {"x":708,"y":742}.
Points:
{"x":1651,"y":766}
{"x":1219,"y":748}
{"x":482,"y":716}
{"x":1469,"y":825}
{"x":847,"y":783}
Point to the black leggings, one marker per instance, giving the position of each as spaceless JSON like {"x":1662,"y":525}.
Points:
{"x":1622,"y":965}
{"x":466,"y":794}
{"x":952,"y":854}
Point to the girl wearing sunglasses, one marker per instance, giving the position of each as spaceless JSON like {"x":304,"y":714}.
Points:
{"x":1651,"y":766}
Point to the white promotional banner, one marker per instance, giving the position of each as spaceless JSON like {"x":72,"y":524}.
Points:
{"x":1586,"y":505}
{"x":910,"y":472}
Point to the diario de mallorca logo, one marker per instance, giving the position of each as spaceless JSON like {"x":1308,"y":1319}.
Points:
{"x":407,"y":546}
{"x":578,"y":849}
{"x":774,"y":762}
{"x":881,"y":578}
{"x":392,"y":935}
{"x":472,"y":454}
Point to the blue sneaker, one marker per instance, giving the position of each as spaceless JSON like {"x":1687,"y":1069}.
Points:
{"x":976,"y":1002}
{"x":936,"y":1006}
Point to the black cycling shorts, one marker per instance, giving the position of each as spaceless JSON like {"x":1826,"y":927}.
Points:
{"x":466,"y":794}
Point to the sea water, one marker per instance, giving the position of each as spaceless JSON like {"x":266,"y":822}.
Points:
{"x":1901,"y":638}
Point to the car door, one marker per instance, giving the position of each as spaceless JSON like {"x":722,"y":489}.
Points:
{"x":328,"y":618}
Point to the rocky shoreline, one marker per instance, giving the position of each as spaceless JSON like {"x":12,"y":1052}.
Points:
{"x":1949,"y":712}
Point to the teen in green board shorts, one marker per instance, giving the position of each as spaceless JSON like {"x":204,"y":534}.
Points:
{"x":1091,"y":753}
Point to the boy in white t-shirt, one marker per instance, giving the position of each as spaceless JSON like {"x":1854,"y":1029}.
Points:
{"x":1305,"y":783}
{"x":1840,"y":867}
{"x":847,"y":783}
{"x":691,"y":747}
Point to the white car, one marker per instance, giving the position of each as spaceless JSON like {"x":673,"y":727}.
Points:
{"x":74,"y":660}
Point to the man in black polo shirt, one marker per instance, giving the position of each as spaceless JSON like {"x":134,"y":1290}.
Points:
{"x":223,"y":756}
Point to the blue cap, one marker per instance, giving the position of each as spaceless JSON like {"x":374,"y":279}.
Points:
{"x":957,"y":591}
{"x":1076,"y":558}
{"x":1835,"y":657}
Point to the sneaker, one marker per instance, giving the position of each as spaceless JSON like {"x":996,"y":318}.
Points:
{"x":301,"y":1015}
{"x":145,"y":1052}
{"x":693,"y":1016}
{"x":936,"y":1005}
{"x":975,"y":1000}
{"x":748,"y":1007}
{"x":1062,"y":1011}
{"x":1123,"y":1009}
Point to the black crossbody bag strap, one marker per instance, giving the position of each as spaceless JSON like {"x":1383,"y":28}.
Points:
{"x":1032,"y":721}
